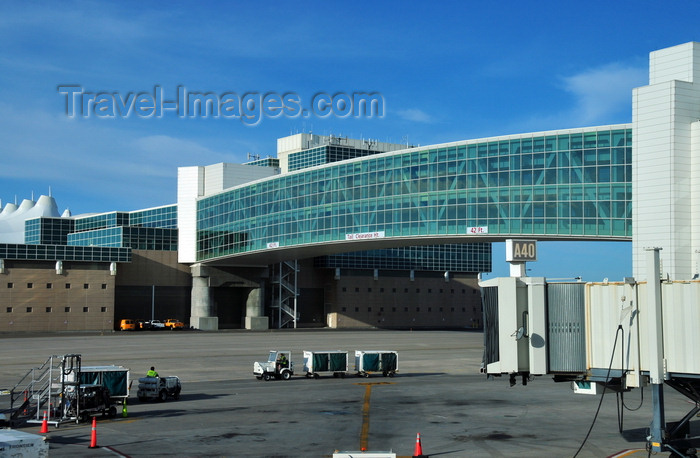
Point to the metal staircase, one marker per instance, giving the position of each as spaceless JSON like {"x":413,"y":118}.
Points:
{"x":41,"y":392}
{"x":284,"y":294}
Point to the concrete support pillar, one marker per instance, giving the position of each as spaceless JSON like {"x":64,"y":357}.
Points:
{"x":254,"y":310}
{"x":202,"y":311}
{"x":655,"y":339}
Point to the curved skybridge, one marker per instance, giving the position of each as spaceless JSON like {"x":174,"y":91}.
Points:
{"x":571,"y":184}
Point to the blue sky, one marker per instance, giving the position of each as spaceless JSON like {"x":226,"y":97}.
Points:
{"x":448,"y":71}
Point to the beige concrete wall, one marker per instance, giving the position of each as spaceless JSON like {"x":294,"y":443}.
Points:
{"x":354,"y":300}
{"x":154,"y":268}
{"x":33,"y":297}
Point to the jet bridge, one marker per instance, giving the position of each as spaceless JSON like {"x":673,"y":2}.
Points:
{"x":614,"y":335}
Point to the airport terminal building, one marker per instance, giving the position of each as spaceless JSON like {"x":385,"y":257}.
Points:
{"x":343,"y":232}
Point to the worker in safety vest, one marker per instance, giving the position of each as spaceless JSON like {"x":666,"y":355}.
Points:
{"x":152,"y":372}
{"x":282,"y":361}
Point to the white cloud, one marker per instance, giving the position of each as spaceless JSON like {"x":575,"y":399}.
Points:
{"x":106,"y":160}
{"x":601,"y":92}
{"x":415,"y":115}
{"x":601,"y":95}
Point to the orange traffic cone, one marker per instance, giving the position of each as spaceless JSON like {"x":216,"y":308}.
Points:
{"x":93,"y":437}
{"x":418,"y":452}
{"x":44,"y":425}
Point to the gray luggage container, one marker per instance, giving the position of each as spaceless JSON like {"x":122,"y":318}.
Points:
{"x":20,"y":444}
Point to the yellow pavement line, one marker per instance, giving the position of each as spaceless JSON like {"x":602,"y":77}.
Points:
{"x":129,"y":421}
{"x":364,"y":431}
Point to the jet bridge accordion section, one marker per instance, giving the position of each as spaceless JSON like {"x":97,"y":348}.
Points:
{"x":566,"y":327}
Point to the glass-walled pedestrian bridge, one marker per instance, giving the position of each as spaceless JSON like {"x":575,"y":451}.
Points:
{"x":559,"y":185}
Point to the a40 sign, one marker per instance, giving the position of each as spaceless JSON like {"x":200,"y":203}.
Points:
{"x":521,"y":250}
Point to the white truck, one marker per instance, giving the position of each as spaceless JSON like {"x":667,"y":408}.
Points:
{"x":278,"y":365}
{"x":159,"y":388}
{"x":156,"y":324}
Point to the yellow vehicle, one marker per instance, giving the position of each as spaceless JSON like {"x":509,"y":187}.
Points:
{"x":127,"y":324}
{"x":173,"y":324}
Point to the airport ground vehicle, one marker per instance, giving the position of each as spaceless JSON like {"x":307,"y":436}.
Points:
{"x":160,"y":388}
{"x":155,"y":324}
{"x":100,"y":388}
{"x":278,"y":365}
{"x":88,"y":401}
{"x":335,"y":362}
{"x":172,"y":323}
{"x":127,"y":324}
{"x":62,"y":390}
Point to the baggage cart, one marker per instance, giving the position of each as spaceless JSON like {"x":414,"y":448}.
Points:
{"x":386,"y":362}
{"x":325,"y":362}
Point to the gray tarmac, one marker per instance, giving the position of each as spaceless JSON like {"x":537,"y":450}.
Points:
{"x":224,"y":411}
